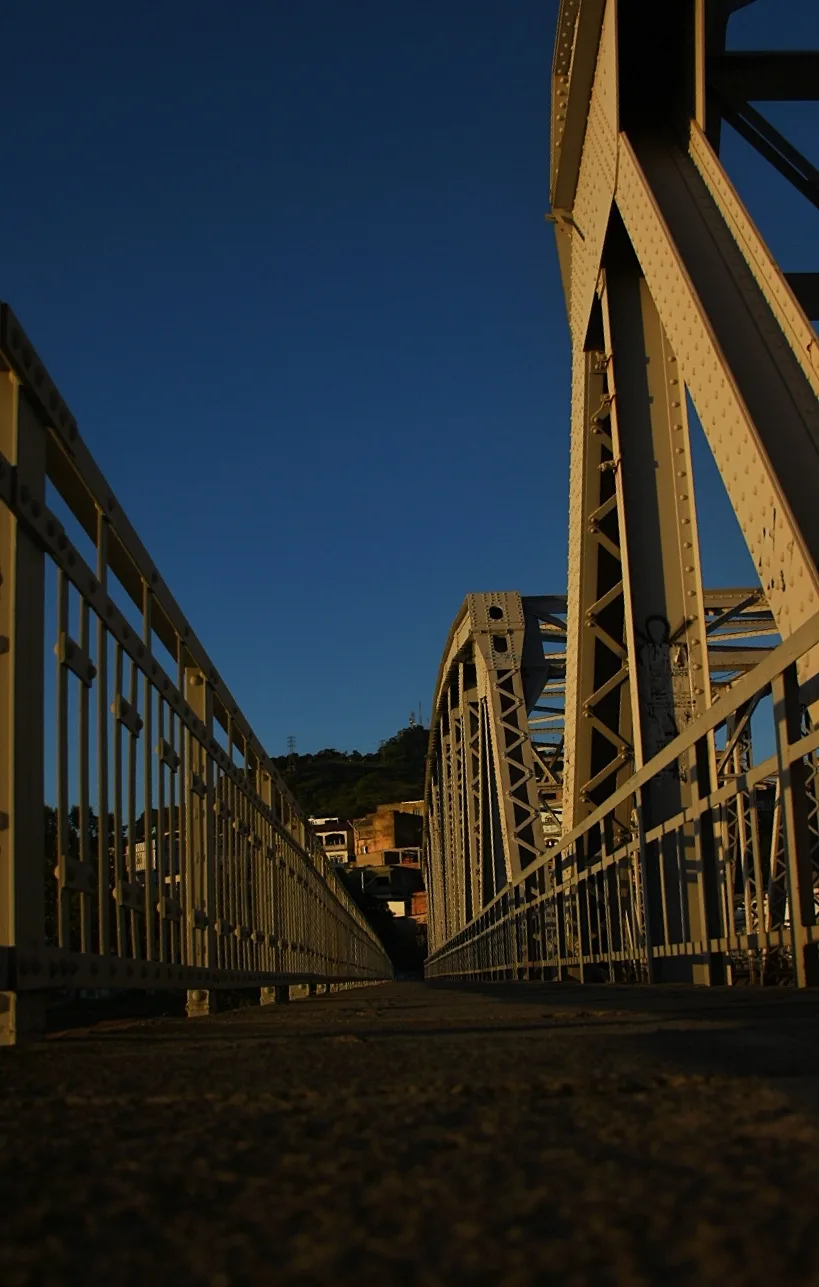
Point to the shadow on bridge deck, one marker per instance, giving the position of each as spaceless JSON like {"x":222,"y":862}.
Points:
{"x":422,"y":1134}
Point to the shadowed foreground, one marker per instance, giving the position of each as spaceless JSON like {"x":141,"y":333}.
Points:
{"x":422,"y":1134}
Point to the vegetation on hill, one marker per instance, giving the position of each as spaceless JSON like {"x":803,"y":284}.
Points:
{"x":347,"y":784}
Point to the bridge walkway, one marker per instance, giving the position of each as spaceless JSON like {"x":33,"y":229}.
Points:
{"x":422,"y":1134}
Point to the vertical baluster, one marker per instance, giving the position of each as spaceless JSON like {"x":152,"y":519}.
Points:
{"x":159,"y":866}
{"x":170,"y":884}
{"x":194,"y":851}
{"x":795,"y":828}
{"x":224,"y":831}
{"x":757,"y":921}
{"x":244,"y":850}
{"x":657,"y":851}
{"x":23,"y":858}
{"x":148,"y":773}
{"x":134,"y":914}
{"x":255,"y":922}
{"x":230,"y":845}
{"x":681,"y":840}
{"x":215,"y":824}
{"x":180,"y":893}
{"x":83,"y":782}
{"x":119,"y":861}
{"x":236,"y":866}
{"x":104,"y":873}
{"x":63,"y":841}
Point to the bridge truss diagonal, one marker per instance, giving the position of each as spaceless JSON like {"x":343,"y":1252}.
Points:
{"x":625,"y":786}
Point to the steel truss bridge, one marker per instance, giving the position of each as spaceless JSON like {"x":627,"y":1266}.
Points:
{"x":622,"y":783}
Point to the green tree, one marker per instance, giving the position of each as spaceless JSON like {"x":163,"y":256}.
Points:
{"x":335,"y":783}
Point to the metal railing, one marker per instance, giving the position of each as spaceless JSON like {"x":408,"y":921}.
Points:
{"x":167,"y":850}
{"x":722,"y":891}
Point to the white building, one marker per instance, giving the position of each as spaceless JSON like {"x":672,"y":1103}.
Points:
{"x":337,"y":839}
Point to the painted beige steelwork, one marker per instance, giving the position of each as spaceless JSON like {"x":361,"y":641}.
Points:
{"x":498,"y":736}
{"x":483,"y":806}
{"x":674,"y":299}
{"x":747,"y":840}
{"x":177,"y":855}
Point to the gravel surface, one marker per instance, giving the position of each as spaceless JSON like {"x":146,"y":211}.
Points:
{"x":422,"y":1134}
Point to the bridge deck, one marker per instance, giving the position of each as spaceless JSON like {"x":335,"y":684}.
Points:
{"x":422,"y":1134}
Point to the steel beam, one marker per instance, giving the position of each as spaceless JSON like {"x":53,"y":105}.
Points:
{"x":665,"y":623}
{"x":483,"y":808}
{"x":671,"y":296}
{"x":752,"y":393}
{"x":766,"y":76}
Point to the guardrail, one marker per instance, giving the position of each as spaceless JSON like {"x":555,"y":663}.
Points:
{"x":171,"y":853}
{"x":724,"y":889}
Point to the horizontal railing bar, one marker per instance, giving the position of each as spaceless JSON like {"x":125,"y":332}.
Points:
{"x":36,"y":970}
{"x":759,"y":939}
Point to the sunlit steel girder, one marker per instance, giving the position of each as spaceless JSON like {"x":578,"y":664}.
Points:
{"x":495,"y":771}
{"x":669,"y":290}
{"x":674,"y":301}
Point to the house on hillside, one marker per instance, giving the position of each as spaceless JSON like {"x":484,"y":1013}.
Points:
{"x":337,"y":838}
{"x":391,"y":836}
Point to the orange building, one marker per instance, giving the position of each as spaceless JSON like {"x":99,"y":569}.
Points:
{"x":391,"y":836}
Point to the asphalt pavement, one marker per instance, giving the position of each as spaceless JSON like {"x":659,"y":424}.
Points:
{"x":506,"y":1135}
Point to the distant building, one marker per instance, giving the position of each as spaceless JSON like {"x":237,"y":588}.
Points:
{"x":418,"y":907}
{"x":391,"y":836}
{"x":552,"y":821}
{"x":395,"y":885}
{"x":146,"y":856}
{"x":337,"y":838}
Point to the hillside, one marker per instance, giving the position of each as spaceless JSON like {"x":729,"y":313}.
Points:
{"x":348,"y":784}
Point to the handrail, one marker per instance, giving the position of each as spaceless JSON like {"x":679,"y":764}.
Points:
{"x":164,"y":861}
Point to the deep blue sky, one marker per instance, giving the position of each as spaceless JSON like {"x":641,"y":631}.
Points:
{"x":288,"y":264}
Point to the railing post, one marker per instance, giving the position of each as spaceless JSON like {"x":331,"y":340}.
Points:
{"x":644,"y":910}
{"x":200,"y":912}
{"x":22,"y":805}
{"x":713,"y":970}
{"x":795,"y":827}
